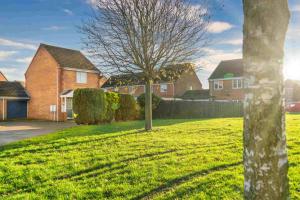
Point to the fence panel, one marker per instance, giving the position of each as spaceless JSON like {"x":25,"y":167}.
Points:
{"x":198,"y":109}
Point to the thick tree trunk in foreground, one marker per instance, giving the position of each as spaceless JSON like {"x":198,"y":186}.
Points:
{"x":148,"y":106}
{"x":265,"y":154}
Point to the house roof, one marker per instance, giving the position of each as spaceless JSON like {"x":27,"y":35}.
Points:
{"x":196,"y":94}
{"x":228,"y":69}
{"x":69,"y":58}
{"x":169,"y":74}
{"x":12,"y":89}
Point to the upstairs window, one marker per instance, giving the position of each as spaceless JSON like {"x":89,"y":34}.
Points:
{"x":163,"y":88}
{"x":218,"y":85}
{"x":237,"y":83}
{"x":81,"y":77}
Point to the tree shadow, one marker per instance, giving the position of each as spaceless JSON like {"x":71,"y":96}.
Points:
{"x":80,"y":131}
{"x":101,"y":166}
{"x":177,"y":181}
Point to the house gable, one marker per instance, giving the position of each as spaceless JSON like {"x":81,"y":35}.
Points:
{"x":42,"y":84}
{"x":228,"y":69}
{"x":2,"y":77}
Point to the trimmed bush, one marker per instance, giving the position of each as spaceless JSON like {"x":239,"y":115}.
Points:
{"x":127,"y":109}
{"x":141,"y":101}
{"x":113,"y":103}
{"x":89,"y":106}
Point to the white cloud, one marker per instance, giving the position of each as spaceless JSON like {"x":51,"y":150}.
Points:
{"x":25,"y":60}
{"x":53,"y":28}
{"x":12,"y":73}
{"x":215,"y":56}
{"x":93,"y":3}
{"x":18,"y":45}
{"x":235,"y":42}
{"x":68,"y":12}
{"x":293,"y":33}
{"x":295,"y":8}
{"x":6,"y":54}
{"x":219,"y":27}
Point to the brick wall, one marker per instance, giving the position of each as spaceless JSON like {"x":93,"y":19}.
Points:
{"x":68,"y":80}
{"x":227,"y":93}
{"x":2,"y":77}
{"x":137,"y":90}
{"x":41,"y":84}
{"x":187,"y":81}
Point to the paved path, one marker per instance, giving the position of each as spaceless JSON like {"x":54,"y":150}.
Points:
{"x":18,"y":130}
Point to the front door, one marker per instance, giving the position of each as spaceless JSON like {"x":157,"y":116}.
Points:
{"x":69,"y":108}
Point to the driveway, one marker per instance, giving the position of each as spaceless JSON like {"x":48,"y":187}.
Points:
{"x":18,"y":130}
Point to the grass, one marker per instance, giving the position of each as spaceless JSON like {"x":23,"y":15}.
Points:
{"x":183,"y":159}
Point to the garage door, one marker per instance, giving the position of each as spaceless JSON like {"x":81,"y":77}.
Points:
{"x":16,"y":109}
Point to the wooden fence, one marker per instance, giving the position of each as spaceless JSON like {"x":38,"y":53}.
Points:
{"x":198,"y":109}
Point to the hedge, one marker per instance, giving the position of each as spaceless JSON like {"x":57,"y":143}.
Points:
{"x":89,"y":106}
{"x":113,"y":103}
{"x":141,"y":101}
{"x":128,"y":109}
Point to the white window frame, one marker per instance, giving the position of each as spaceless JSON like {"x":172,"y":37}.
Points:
{"x":237,"y":84}
{"x":81,"y":77}
{"x":219,"y":84}
{"x":163,"y":88}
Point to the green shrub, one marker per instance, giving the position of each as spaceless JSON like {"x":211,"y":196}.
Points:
{"x":128,"y":108}
{"x":113,"y":103}
{"x":89,"y":106}
{"x":141,"y":101}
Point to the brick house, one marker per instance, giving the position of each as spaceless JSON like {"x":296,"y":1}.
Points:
{"x":13,"y":100}
{"x":165,"y":88}
{"x":51,"y":78}
{"x":227,"y":82}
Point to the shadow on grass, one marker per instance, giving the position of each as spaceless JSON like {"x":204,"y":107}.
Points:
{"x":84,"y":130}
{"x":101,"y":166}
{"x":177,"y":181}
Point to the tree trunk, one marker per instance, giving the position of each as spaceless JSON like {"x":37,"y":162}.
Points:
{"x":265,"y":154}
{"x":148,"y":106}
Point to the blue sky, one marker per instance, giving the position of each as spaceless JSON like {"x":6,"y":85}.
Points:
{"x":26,"y":23}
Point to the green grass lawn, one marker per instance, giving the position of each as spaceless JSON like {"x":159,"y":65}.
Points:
{"x":183,"y":159}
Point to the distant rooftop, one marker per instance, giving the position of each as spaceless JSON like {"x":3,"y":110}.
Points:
{"x":228,"y":69}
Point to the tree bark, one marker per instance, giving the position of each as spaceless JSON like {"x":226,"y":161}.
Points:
{"x":148,"y":106}
{"x":265,"y":154}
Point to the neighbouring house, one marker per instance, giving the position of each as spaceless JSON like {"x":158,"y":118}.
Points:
{"x":2,"y":77}
{"x":292,"y":91}
{"x":227,"y":82}
{"x":52,"y":76}
{"x":164,"y":87}
{"x":13,"y":100}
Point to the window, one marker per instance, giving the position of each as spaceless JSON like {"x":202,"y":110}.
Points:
{"x":218,"y":85}
{"x":237,"y":83}
{"x":163,"y":88}
{"x":81,"y":77}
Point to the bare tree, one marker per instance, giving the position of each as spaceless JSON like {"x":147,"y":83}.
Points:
{"x":265,"y":154}
{"x":146,"y":36}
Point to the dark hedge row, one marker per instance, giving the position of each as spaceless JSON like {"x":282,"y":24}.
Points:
{"x":94,"y":106}
{"x":198,"y":109}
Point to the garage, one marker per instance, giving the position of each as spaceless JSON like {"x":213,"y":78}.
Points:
{"x":13,"y":100}
{"x":16,"y":109}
